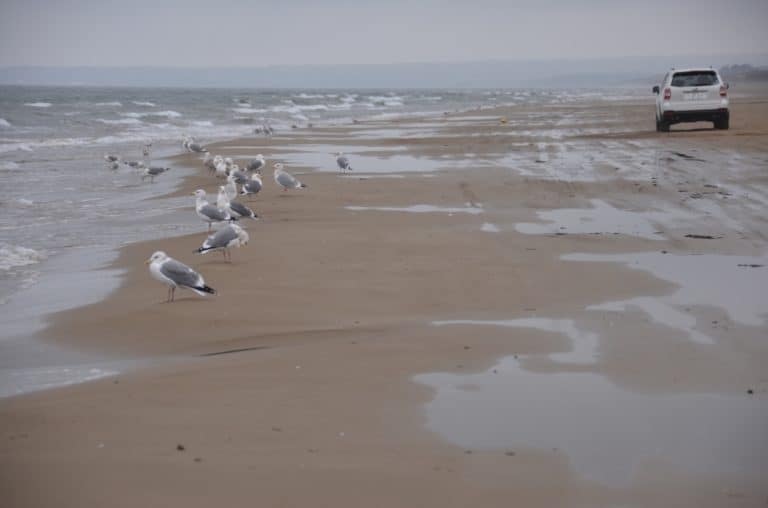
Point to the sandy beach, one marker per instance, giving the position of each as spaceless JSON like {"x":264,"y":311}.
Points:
{"x":391,"y":337}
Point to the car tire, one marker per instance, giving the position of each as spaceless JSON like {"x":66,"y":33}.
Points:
{"x":663,"y":126}
{"x":658,"y":126}
{"x":722,"y":124}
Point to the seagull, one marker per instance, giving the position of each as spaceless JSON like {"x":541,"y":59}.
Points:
{"x":237,"y":175}
{"x":209,"y":213}
{"x":210,"y":162}
{"x":111,"y":158}
{"x":230,"y":188}
{"x":235,"y":208}
{"x":285,"y":179}
{"x":194,"y":146}
{"x":135,"y":164}
{"x":221,"y":170}
{"x":256,"y":164}
{"x":252,"y":186}
{"x":227,"y":237}
{"x":343,"y":162}
{"x":152,"y":172}
{"x":113,"y":165}
{"x":176,"y":274}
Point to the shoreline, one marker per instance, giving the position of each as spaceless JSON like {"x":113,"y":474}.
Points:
{"x":326,"y":319}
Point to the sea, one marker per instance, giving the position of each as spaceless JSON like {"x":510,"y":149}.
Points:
{"x":64,"y":214}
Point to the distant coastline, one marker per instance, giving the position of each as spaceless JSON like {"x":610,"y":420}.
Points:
{"x":613,"y":72}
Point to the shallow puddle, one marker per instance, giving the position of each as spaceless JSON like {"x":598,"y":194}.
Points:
{"x":606,"y":432}
{"x":736,"y":284}
{"x":602,"y":218}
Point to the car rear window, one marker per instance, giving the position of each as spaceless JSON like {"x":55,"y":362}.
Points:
{"x":694,"y":78}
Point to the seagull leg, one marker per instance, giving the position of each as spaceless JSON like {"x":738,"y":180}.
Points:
{"x":173,"y":293}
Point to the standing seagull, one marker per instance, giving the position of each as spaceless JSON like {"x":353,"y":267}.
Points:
{"x":235,"y":209}
{"x":194,"y":146}
{"x":176,"y":274}
{"x":343,"y":162}
{"x":224,"y":239}
{"x":256,"y":164}
{"x":252,"y":186}
{"x":286,"y":180}
{"x":208,"y":212}
{"x":153,"y":171}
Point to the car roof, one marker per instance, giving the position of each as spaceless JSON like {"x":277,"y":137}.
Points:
{"x":694,"y":69}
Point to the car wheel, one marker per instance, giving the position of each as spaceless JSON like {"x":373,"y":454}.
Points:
{"x":722,"y":124}
{"x":658,"y":127}
{"x":663,"y":126}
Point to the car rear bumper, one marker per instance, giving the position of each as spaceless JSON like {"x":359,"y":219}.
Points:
{"x":707,"y":115}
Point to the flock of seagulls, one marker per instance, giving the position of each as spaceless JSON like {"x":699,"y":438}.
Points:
{"x":224,"y":214}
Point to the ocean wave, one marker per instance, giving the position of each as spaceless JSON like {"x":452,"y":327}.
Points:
{"x":38,"y":104}
{"x":145,"y":103}
{"x":247,"y":111}
{"x":297,"y":109}
{"x":123,"y":121}
{"x":116,"y":104}
{"x":25,"y":202}
{"x":387,"y":100}
{"x":142,"y":114}
{"x":5,"y":124}
{"x":13,"y":147}
{"x":8,"y":166}
{"x":12,"y":256}
{"x":202,"y":123}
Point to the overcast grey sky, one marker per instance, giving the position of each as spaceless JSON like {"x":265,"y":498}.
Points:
{"x":270,"y":32}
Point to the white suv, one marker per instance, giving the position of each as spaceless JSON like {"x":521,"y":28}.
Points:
{"x":691,"y":95}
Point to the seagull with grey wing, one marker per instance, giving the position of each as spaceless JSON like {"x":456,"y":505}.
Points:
{"x":152,"y":171}
{"x":236,"y":209}
{"x":194,"y":146}
{"x":256,"y":164}
{"x":175,"y":274}
{"x":209,"y":213}
{"x":252,"y":186}
{"x":286,"y":180}
{"x":224,"y":239}
{"x":237,"y":175}
{"x":343,"y":162}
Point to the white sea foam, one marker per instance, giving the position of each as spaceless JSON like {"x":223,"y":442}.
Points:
{"x":25,"y":202}
{"x":247,"y":111}
{"x":12,"y":147}
{"x":38,"y":104}
{"x":144,"y":103}
{"x":12,"y":256}
{"x":8,"y":166}
{"x":123,"y":121}
{"x":142,"y":114}
{"x":5,"y":124}
{"x":202,"y":123}
{"x":116,"y":104}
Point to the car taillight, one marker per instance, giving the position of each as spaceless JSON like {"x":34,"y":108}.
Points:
{"x":667,"y":94}
{"x":723,"y":91}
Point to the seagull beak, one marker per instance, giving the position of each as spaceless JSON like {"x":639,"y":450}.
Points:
{"x":148,"y":261}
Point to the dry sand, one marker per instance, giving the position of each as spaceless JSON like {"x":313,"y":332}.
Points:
{"x":294,"y":387}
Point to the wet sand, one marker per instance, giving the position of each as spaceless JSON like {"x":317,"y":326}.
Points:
{"x":322,"y":375}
